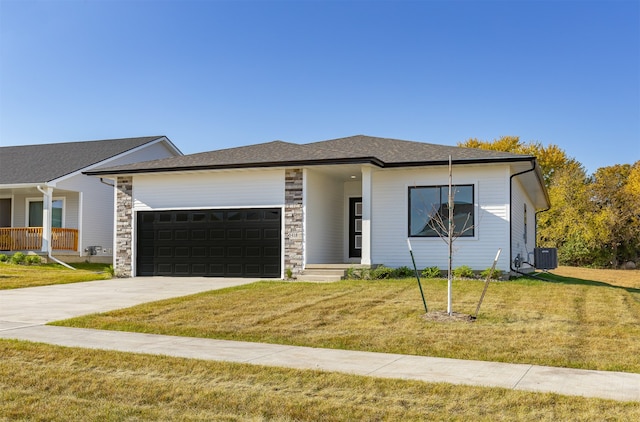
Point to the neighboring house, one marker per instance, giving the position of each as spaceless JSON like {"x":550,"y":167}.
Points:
{"x":48,"y":205}
{"x":269,"y":209}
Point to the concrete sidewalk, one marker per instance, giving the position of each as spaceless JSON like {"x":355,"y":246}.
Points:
{"x":24,"y":312}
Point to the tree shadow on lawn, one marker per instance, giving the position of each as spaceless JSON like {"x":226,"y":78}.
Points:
{"x":553,"y":278}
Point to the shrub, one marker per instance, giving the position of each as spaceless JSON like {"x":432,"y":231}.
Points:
{"x":351,"y":274}
{"x":3,"y":257}
{"x":463,"y":271}
{"x":497,"y":274}
{"x":110,"y":270}
{"x":354,"y":273}
{"x":431,"y":272}
{"x":18,"y":258}
{"x":33,"y":260}
{"x":381,"y":273}
{"x":403,"y":272}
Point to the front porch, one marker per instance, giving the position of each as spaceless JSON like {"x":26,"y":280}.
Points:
{"x":30,"y":239}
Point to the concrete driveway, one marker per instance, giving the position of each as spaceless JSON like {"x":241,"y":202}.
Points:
{"x":40,"y":305}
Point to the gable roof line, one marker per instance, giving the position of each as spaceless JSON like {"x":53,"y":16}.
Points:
{"x":50,"y":163}
{"x":115,"y":157}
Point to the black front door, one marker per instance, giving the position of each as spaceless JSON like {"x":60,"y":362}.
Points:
{"x":355,"y":227}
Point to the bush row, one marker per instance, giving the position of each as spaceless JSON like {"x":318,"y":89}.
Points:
{"x":382,"y":272}
{"x":21,"y":258}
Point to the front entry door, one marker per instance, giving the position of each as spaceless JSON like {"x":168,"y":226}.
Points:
{"x":355,"y":227}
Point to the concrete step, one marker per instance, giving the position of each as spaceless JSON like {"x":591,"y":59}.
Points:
{"x":344,"y":266}
{"x":319,"y":278}
{"x":327,"y":272}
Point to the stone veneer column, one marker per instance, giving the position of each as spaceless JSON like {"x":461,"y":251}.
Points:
{"x":293,"y":221}
{"x":124,"y":227}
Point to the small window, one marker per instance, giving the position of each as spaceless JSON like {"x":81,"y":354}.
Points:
{"x":164,"y":217}
{"x":36,"y":209}
{"x":429,"y":211}
{"x":148,"y":218}
{"x":198,"y":217}
{"x":525,"y":224}
{"x":254,"y":215}
{"x":235,"y":216}
{"x":182,"y":216}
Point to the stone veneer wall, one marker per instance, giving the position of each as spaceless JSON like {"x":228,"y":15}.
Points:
{"x":124,"y":227}
{"x":293,"y":221}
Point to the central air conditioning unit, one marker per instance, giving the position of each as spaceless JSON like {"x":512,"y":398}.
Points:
{"x":545,"y":258}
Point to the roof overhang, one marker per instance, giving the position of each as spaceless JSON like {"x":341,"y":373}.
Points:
{"x":302,"y":163}
{"x":239,"y":166}
{"x":533,"y":181}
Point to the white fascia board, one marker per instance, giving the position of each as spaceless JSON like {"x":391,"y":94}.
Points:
{"x":27,"y":185}
{"x":115,"y":157}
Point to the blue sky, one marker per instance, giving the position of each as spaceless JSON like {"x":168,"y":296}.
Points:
{"x":218,"y":74}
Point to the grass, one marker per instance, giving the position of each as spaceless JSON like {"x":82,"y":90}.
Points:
{"x":52,"y":383}
{"x":566,"y":322}
{"x":18,"y":276}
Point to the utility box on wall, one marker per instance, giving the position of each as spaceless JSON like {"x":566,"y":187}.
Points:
{"x":545,"y":258}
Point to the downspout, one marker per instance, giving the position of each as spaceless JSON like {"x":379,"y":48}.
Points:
{"x":106,"y":183}
{"x":49,"y":240}
{"x":533,"y":167}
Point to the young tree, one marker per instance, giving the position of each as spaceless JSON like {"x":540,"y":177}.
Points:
{"x":442,"y":220}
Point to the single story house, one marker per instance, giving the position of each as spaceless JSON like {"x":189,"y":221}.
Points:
{"x":47,"y":205}
{"x":279,"y":208}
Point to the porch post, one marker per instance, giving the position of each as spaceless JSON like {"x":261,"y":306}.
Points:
{"x":366,"y":216}
{"x":47,"y":205}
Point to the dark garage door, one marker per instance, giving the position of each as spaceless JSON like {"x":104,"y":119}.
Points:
{"x":214,"y":243}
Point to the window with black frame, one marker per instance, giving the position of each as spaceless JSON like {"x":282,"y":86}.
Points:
{"x":429,"y":211}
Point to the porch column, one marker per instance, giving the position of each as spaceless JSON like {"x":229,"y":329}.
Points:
{"x":47,"y":205}
{"x":366,"y":216}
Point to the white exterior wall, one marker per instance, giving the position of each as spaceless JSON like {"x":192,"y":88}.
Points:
{"x":519,"y":245}
{"x":19,"y":211}
{"x":390,"y":218}
{"x":324,"y":213}
{"x":94,"y":217}
{"x":213,"y":189}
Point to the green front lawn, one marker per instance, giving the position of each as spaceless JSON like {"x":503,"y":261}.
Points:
{"x":13,"y":276}
{"x":51,"y":383}
{"x":568,"y":322}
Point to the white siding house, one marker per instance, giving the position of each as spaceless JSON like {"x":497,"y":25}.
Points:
{"x":345,"y":201}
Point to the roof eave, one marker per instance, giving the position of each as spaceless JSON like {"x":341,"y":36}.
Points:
{"x":243,"y":166}
{"x":458,"y":161}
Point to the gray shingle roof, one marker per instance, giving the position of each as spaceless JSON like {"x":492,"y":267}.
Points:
{"x":47,"y":162}
{"x":396,"y":152}
{"x":383,"y":152}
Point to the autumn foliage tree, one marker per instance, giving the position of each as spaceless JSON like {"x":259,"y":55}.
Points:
{"x":593,"y":220}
